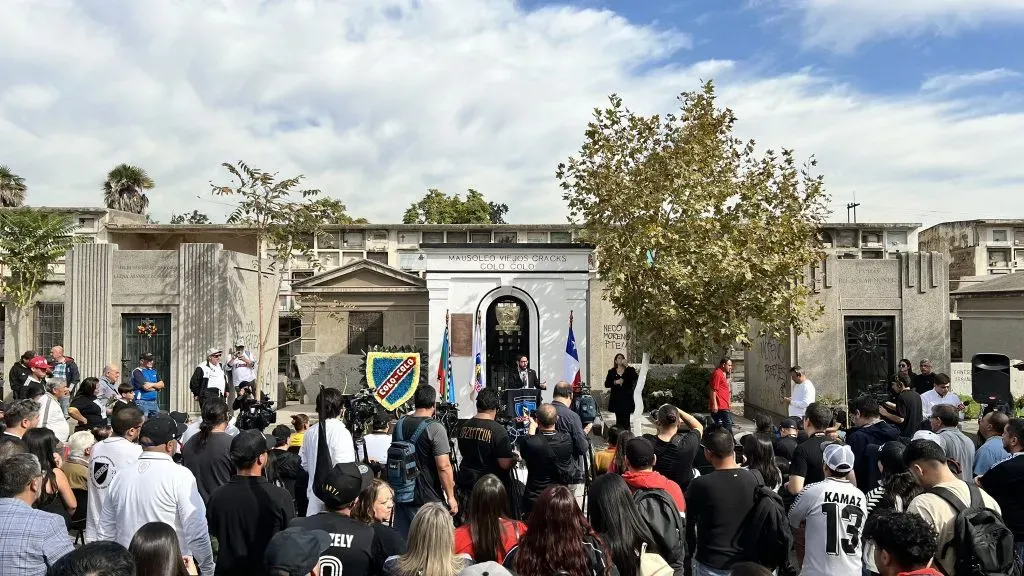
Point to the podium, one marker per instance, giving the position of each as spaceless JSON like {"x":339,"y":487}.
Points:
{"x":521,"y":402}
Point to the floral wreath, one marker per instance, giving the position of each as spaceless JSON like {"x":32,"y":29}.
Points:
{"x":147,"y":328}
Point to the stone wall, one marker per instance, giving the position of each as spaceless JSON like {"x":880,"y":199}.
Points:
{"x":912,"y":290}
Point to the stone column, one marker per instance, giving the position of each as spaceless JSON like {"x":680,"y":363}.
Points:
{"x":87,"y":305}
{"x":199,"y":316}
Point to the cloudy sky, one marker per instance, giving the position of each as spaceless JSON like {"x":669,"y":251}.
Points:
{"x":916,"y":106}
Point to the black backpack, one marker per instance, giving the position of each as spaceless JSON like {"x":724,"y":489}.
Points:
{"x":766,"y":537}
{"x":402,"y":467}
{"x":982,"y":542}
{"x":664,"y":521}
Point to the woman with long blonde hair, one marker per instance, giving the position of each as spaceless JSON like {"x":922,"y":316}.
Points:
{"x":431,"y":546}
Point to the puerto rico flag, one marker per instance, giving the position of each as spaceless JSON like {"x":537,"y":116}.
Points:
{"x":572,"y":359}
{"x":445,"y":385}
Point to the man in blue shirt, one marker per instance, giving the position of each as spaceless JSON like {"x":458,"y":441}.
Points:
{"x":991,"y":452}
{"x":147,"y":385}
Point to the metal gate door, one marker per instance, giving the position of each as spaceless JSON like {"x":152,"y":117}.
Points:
{"x":508,"y":335}
{"x":141,"y":333}
{"x":870,"y":351}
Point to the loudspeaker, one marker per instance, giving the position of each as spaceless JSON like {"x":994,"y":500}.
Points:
{"x":990,"y":379}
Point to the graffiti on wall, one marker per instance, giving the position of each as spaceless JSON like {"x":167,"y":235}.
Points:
{"x":615,"y":337}
{"x":774,"y":365}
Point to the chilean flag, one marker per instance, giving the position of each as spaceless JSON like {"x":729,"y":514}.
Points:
{"x":572,"y":359}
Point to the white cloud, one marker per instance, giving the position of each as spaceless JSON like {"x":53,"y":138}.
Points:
{"x":376,"y":101}
{"x":945,"y":83}
{"x":842,"y":25}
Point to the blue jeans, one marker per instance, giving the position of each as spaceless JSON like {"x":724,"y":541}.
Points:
{"x":149,"y":407}
{"x":723,"y":418}
{"x":703,"y":570}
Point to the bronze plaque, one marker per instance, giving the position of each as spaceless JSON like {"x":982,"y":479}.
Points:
{"x":462,"y":334}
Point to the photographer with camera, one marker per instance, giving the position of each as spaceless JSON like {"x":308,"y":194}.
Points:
{"x":905,"y":412}
{"x":254,"y":414}
{"x":242,"y":366}
{"x":548,"y":454}
{"x":484,"y":445}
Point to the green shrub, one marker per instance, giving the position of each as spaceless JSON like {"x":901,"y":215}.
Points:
{"x":687,"y":390}
{"x":973,"y":409}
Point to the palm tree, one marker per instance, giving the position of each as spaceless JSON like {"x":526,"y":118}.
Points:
{"x":12,"y":188}
{"x":125,"y":189}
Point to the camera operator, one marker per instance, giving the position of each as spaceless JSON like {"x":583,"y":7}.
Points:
{"x":548,"y":454}
{"x":569,"y":422}
{"x":242,"y":366}
{"x":484,"y":445}
{"x":905,"y":412}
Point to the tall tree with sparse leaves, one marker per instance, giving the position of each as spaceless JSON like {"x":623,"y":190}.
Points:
{"x":125,"y":189}
{"x":439,"y":208}
{"x":498,"y":212}
{"x":32,"y":240}
{"x":283,"y":216}
{"x":12,"y":188}
{"x":697,"y":234}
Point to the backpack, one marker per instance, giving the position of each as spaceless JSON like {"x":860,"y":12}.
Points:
{"x":766,"y":537}
{"x":402,"y":467}
{"x":664,"y":521}
{"x":652,"y":564}
{"x":982,"y":542}
{"x":586,"y":407}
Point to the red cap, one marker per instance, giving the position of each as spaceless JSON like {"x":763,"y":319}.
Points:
{"x":39,"y":362}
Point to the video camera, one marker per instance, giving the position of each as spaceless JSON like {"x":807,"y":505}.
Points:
{"x":448,"y":415}
{"x":360,"y":410}
{"x":256,"y":415}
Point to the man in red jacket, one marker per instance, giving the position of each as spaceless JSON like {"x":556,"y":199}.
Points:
{"x":640,"y":472}
{"x":720,"y":394}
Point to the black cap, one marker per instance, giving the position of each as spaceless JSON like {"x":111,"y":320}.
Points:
{"x":343,"y":484}
{"x":281,"y":433}
{"x":296,"y":550}
{"x":787,"y":423}
{"x":640,"y":453}
{"x":160,"y":430}
{"x":247,"y":446}
{"x":146,"y":356}
{"x":179,"y":417}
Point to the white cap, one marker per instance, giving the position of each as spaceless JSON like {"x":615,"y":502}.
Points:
{"x":239,"y":343}
{"x":213,"y":351}
{"x":927,"y":435}
{"x":838,"y":458}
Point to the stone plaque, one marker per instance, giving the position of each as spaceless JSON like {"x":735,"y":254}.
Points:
{"x":869,"y":278}
{"x":462,"y":334}
{"x":146,"y":272}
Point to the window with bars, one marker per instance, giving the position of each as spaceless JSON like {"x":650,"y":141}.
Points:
{"x":49,"y":325}
{"x":365,"y":330}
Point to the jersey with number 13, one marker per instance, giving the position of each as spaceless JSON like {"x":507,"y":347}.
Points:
{"x":835,"y":511}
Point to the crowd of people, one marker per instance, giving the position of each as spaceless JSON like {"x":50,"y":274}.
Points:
{"x":888,"y":488}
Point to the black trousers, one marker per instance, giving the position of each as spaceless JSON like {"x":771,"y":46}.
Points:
{"x":622,"y":419}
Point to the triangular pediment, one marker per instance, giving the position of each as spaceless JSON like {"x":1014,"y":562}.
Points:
{"x":361,"y":275}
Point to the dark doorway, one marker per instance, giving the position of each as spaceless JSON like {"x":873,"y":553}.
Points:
{"x":365,"y":330}
{"x":141,"y":333}
{"x":508,"y":335}
{"x":870,"y":353}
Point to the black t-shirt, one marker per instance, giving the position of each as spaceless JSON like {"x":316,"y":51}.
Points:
{"x":1003,"y":483}
{"x":674,"y":459}
{"x":549,"y":461}
{"x":210,"y":464}
{"x":243,"y":516}
{"x":433,"y":442}
{"x":807,"y":459}
{"x":481,"y":443}
{"x":88,"y":408}
{"x":354,"y":546}
{"x":785,"y":447}
{"x":908,"y":407}
{"x":924,"y":382}
{"x":716,"y":507}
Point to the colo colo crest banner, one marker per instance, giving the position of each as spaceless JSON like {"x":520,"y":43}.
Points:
{"x":393,"y":377}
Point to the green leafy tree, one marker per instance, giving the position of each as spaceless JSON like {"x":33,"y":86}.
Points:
{"x":12,"y":188}
{"x":196,"y":217}
{"x":32,"y":240}
{"x":125,"y":189}
{"x":284,"y":217}
{"x":439,"y":208}
{"x":698,"y":237}
{"x":498,"y":212}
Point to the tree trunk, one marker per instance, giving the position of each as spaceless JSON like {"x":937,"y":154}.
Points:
{"x":636,"y":422}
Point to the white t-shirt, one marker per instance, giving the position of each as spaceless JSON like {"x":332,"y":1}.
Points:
{"x":239,"y":371}
{"x":55,"y":419}
{"x":932,"y":398}
{"x":939,"y":514}
{"x":107,"y":457}
{"x":835,"y":511}
{"x":339,"y":441}
{"x":803,"y":394}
